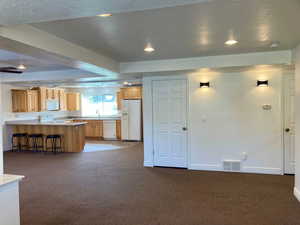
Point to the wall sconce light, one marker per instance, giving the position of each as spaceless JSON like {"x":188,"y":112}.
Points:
{"x":262,"y":83}
{"x":204,"y":85}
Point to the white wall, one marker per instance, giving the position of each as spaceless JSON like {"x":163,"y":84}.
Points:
{"x":227,"y":120}
{"x":1,"y":131}
{"x":297,"y":119}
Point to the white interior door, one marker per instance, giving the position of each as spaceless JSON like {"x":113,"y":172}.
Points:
{"x":170,"y":123}
{"x":289,"y":124}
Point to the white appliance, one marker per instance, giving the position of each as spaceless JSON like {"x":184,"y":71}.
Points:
{"x":52,"y":105}
{"x":131,"y":120}
{"x":109,"y":129}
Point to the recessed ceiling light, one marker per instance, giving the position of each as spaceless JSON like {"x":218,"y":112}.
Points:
{"x":149,"y":48}
{"x":105,"y":15}
{"x":21,"y":67}
{"x":231,"y":42}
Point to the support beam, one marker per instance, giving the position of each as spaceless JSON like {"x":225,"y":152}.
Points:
{"x":31,"y":41}
{"x":238,"y":60}
{"x":53,"y":75}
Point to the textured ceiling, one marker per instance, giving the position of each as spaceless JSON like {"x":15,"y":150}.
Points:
{"x":186,"y":31}
{"x":29,"y":11}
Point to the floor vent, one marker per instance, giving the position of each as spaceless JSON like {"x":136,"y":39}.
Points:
{"x":232,"y":165}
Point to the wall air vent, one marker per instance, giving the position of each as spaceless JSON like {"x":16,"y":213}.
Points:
{"x":232,"y":165}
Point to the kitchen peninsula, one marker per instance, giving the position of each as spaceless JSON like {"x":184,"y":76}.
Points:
{"x":73,"y":133}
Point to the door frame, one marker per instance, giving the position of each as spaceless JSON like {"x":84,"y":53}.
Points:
{"x":148,"y":114}
{"x":285,"y":92}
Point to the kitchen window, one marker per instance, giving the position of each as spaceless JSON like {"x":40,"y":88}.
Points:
{"x":99,"y":105}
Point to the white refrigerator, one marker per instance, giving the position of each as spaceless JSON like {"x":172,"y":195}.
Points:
{"x":131,"y":120}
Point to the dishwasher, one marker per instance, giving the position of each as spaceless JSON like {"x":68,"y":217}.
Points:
{"x":109,"y":130}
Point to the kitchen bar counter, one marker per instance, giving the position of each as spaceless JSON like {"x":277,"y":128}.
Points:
{"x":73,"y":133}
{"x":8,"y":178}
{"x":9,"y":195}
{"x":94,"y":118}
{"x":49,"y":123}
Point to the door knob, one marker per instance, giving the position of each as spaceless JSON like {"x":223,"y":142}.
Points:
{"x":184,"y":128}
{"x":287,"y":129}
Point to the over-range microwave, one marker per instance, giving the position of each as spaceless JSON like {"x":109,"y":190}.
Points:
{"x":52,"y":105}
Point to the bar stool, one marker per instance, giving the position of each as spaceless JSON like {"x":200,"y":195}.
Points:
{"x":36,"y":142}
{"x":19,"y":142}
{"x":55,"y":142}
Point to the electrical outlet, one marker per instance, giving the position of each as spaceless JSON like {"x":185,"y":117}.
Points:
{"x":244,"y":156}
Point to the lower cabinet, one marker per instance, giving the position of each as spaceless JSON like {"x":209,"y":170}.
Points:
{"x":104,"y":129}
{"x":93,"y":128}
{"x":118,"y":129}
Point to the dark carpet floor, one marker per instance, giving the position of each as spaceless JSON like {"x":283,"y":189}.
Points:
{"x":113,"y":188}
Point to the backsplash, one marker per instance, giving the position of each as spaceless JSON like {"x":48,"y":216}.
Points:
{"x":35,"y":115}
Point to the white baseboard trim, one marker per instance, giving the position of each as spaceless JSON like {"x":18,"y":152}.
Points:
{"x":262,"y":170}
{"x":216,"y":167}
{"x":297,"y":193}
{"x":148,"y":164}
{"x":208,"y":167}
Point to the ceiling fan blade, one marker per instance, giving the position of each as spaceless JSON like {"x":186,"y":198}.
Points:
{"x":10,"y":69}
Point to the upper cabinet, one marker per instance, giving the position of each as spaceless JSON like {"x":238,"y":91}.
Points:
{"x":131,"y":93}
{"x":73,"y":101}
{"x":45,"y":94}
{"x":25,"y":101}
{"x":42,"y":92}
{"x":62,"y":100}
{"x":52,"y":93}
{"x":35,"y":100}
{"x":119,"y":100}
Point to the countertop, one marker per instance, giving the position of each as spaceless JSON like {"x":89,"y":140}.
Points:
{"x":38,"y":123}
{"x":94,"y":118}
{"x":7,"y":178}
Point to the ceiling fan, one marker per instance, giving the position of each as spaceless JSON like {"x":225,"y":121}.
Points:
{"x":10,"y":69}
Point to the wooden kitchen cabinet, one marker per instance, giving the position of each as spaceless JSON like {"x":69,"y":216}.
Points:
{"x":55,"y":94}
{"x":42,"y":92}
{"x":25,"y":101}
{"x":52,"y":93}
{"x":73,"y":101}
{"x":45,"y":94}
{"x":49,"y":94}
{"x":62,"y":100}
{"x":119,"y":100}
{"x":93,"y":128}
{"x":32,"y":101}
{"x":35,"y":100}
{"x":118,"y":129}
{"x":131,"y":93}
